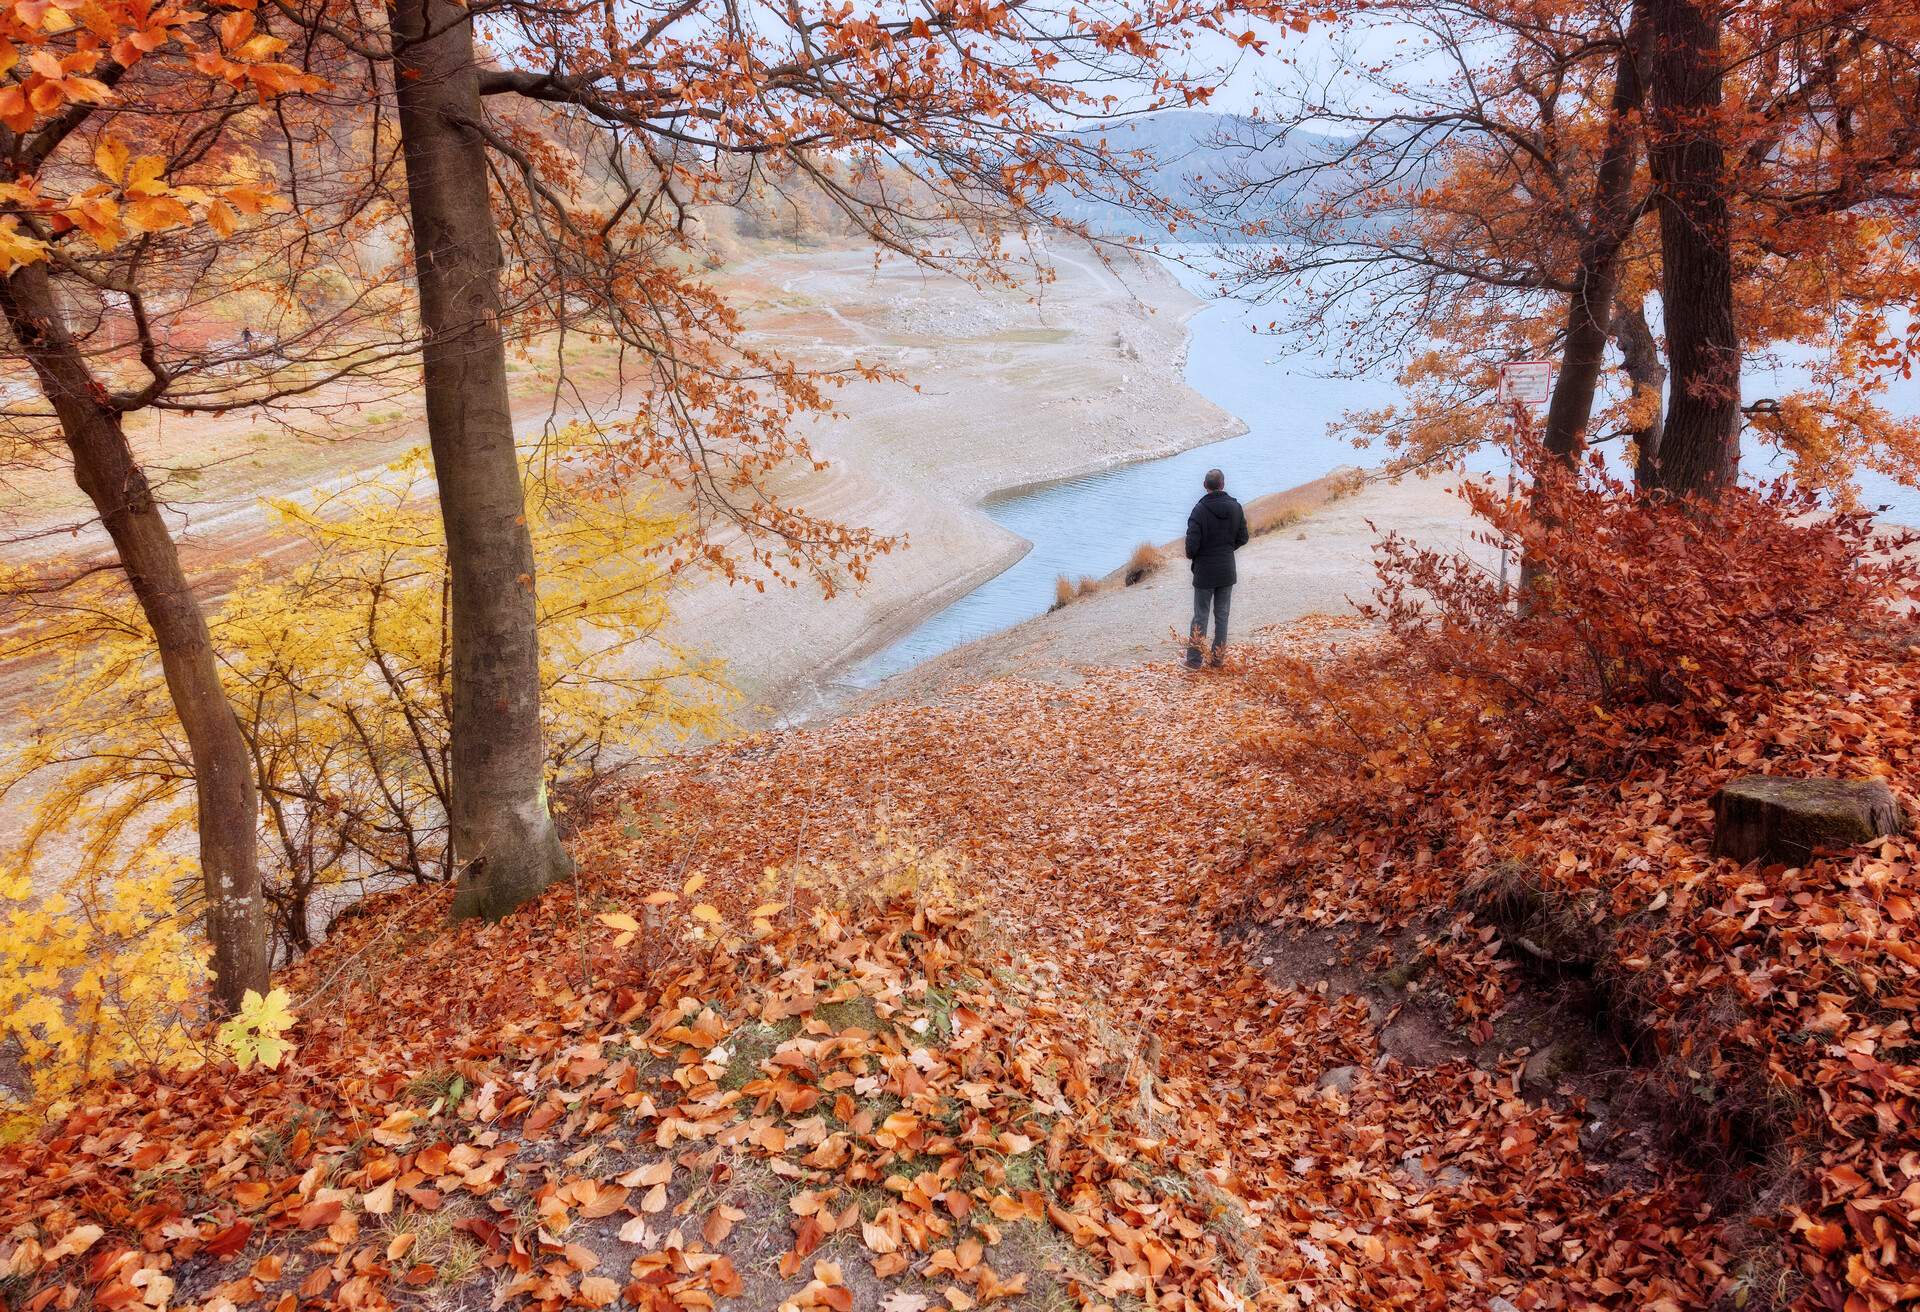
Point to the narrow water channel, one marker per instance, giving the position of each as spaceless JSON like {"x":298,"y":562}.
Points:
{"x":1088,"y":525}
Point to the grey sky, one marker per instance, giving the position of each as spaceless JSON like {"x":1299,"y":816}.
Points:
{"x":1316,"y":52}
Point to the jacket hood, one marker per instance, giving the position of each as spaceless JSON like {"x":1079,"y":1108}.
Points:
{"x":1218,"y":504}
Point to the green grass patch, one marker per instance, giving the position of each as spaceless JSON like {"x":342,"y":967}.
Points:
{"x":750,"y":1045}
{"x":1408,"y":972}
{"x":853,"y":1013}
{"x":454,"y":1257}
{"x":1022,"y":1172}
{"x":442,"y":1084}
{"x":916,"y":1165}
{"x":872,"y":1202}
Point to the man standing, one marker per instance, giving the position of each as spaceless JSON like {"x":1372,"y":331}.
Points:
{"x":1215,"y":530}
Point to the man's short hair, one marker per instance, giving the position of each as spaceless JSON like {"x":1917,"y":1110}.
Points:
{"x":1215,"y":480}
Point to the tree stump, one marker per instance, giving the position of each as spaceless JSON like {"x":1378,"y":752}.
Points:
{"x":1762,"y":817}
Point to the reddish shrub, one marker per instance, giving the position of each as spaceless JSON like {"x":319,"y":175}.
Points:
{"x":1566,"y":749}
{"x":1639,"y":601}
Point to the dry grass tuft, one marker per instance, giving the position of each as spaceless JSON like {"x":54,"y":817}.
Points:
{"x":1264,"y":515}
{"x":1279,"y":510}
{"x":1066,"y":589}
{"x":1146,"y":558}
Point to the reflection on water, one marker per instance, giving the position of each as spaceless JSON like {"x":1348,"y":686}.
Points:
{"x":1089,"y":525}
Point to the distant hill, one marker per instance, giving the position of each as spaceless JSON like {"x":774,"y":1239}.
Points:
{"x":1185,"y":155}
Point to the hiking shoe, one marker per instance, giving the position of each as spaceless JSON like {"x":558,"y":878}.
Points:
{"x":1193,"y":658}
{"x":1219,"y":657}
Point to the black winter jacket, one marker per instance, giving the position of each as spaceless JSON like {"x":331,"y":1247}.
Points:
{"x":1215,"y":529}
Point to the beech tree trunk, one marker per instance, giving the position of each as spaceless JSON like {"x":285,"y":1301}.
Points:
{"x":106,"y":470}
{"x":1590,"y":309}
{"x":1700,"y":451}
{"x":1649,"y":378}
{"x":505,"y":845}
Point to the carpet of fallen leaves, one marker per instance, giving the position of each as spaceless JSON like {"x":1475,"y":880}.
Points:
{"x":944,"y":1006}
{"x":1768,"y":1011}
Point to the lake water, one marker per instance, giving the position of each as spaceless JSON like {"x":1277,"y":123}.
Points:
{"x":1089,"y":525}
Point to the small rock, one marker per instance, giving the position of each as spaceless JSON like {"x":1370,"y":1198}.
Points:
{"x":1340,"y":1079}
{"x":1415,"y":1170}
{"x":1452,"y":1177}
{"x":1500,"y":1304}
{"x":1762,"y":817}
{"x":1545,"y":1066}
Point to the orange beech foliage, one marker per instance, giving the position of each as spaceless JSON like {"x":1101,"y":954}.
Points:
{"x":68,"y":59}
{"x":1463,"y":208}
{"x":989,"y":1000}
{"x":542,"y":1070}
{"x":1469,"y":185}
{"x":1111,"y":834}
{"x":1663,"y":604}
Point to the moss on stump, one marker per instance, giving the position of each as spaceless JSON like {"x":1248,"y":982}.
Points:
{"x":1762,"y":817}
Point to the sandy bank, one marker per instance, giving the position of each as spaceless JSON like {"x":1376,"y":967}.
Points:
{"x":1321,"y":565}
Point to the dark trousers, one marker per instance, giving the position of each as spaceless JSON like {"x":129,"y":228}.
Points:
{"x":1219,"y":601}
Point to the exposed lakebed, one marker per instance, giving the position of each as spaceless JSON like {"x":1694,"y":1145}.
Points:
{"x":1088,"y":525}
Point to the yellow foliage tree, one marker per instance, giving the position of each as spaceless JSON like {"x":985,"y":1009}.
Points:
{"x":339,"y":673}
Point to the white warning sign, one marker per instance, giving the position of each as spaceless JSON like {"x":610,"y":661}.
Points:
{"x":1527,"y":382}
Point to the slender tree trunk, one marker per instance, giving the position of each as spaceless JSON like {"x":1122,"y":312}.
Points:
{"x":106,"y":470}
{"x":1700,"y":451}
{"x":1649,"y":379}
{"x":505,"y":846}
{"x":1611,"y":222}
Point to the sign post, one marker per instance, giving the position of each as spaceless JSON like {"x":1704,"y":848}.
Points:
{"x":1524,"y":384}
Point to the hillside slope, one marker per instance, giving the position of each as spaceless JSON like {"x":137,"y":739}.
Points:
{"x":1030,"y":1068}
{"x":1116,"y":993}
{"x":1218,"y":168}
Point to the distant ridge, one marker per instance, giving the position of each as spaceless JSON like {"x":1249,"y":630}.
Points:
{"x":1190,"y":158}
